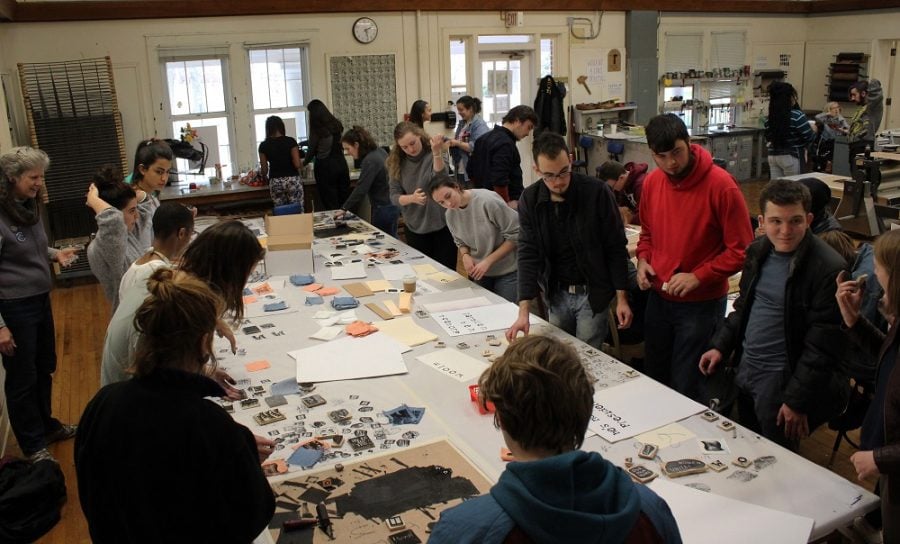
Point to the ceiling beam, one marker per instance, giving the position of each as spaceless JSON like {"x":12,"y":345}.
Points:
{"x":165,"y":9}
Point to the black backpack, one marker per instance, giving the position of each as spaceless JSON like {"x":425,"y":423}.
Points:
{"x":31,"y":497}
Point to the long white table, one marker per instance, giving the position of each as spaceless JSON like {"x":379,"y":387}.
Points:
{"x":781,"y":480}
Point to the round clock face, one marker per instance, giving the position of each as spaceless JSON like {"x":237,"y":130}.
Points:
{"x":365,"y":30}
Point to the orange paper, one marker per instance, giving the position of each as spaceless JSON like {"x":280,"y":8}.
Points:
{"x":256,"y":366}
{"x":312,"y":287}
{"x":360,"y":328}
{"x":249,"y":299}
{"x":263,"y":289}
{"x":325,"y":291}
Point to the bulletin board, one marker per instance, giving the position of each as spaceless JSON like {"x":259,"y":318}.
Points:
{"x":364,"y":92}
{"x":604,"y":85}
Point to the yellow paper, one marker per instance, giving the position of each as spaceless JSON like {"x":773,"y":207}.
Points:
{"x":443,"y":277}
{"x":405,"y":331}
{"x":423,"y":270}
{"x":378,"y":285}
{"x":389,"y":304}
{"x":666,"y":435}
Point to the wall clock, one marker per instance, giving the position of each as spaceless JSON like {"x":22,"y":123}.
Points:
{"x":365,"y":30}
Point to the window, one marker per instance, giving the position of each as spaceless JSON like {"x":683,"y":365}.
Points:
{"x":196,"y":93}
{"x":512,"y":38}
{"x":722,"y":102}
{"x":683,"y":52}
{"x":546,"y":57}
{"x":458,"y":87}
{"x":279,"y":87}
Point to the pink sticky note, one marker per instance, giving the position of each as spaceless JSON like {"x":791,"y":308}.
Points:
{"x":249,"y":299}
{"x":312,"y":287}
{"x":256,"y":366}
{"x":263,"y":289}
{"x":325,"y":291}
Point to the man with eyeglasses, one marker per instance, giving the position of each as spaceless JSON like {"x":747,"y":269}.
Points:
{"x":571,"y":247}
{"x":695,"y":228}
{"x":495,"y":163}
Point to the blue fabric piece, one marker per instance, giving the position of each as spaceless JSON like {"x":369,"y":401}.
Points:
{"x":572,"y":497}
{"x":275,"y":306}
{"x":286,"y":387}
{"x":305,"y":457}
{"x":314,"y":299}
{"x":247,"y":292}
{"x":344,"y":303}
{"x":302,"y":279}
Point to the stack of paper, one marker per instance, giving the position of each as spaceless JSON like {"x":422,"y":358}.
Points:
{"x":350,"y":359}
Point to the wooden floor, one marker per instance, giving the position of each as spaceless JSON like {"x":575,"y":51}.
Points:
{"x":81,"y":315}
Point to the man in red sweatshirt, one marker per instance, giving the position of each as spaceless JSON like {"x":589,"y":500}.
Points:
{"x":695,"y":228}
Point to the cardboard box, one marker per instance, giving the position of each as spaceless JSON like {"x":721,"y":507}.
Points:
{"x":289,"y":244}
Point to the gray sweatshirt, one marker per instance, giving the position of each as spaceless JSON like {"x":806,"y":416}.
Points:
{"x":24,"y":261}
{"x":417,"y":173}
{"x":141,"y":236}
{"x":109,"y":253}
{"x":483,"y":226}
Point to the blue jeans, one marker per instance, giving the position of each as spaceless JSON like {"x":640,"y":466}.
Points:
{"x":29,"y":372}
{"x":507,"y":285}
{"x":385,"y":218}
{"x":676,"y":334}
{"x":573,"y":314}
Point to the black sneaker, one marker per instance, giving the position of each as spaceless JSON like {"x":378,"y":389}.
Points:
{"x":42,"y":455}
{"x":64,"y":432}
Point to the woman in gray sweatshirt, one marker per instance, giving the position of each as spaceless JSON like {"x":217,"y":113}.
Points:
{"x":116,"y":207}
{"x":414,"y":163}
{"x":485,"y":229}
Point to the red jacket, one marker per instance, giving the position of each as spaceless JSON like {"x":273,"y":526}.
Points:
{"x":699,"y":224}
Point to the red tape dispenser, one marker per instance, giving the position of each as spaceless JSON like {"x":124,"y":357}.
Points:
{"x":473,"y":396}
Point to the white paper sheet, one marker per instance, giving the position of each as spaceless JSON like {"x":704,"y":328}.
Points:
{"x":637,"y":406}
{"x":348,"y":271}
{"x":453,"y":363}
{"x":707,"y":518}
{"x":396,"y":271}
{"x":476,"y":320}
{"x":350,"y":358}
{"x":463,"y":304}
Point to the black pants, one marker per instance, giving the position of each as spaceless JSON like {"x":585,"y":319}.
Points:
{"x":438,"y":245}
{"x":29,"y":371}
{"x":332,"y":181}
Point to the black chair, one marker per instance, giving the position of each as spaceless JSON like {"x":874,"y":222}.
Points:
{"x":852,"y":417}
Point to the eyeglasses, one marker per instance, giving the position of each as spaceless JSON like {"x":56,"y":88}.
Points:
{"x":550,"y":176}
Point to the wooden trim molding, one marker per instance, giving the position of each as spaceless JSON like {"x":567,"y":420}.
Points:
{"x":88,"y":10}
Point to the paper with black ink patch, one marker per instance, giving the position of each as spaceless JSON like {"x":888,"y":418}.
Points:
{"x":359,"y":443}
{"x":252,"y":329}
{"x":713,"y":446}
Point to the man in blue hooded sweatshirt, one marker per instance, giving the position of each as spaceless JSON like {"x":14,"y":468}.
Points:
{"x":553,"y":492}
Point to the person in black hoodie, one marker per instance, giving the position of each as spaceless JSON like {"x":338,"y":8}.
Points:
{"x":331,"y":170}
{"x":552,"y":492}
{"x":156,"y":461}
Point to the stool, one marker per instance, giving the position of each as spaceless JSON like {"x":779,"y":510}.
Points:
{"x":287,"y":209}
{"x":585,"y":143}
{"x":615,"y":149}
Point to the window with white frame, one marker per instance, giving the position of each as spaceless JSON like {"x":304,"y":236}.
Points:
{"x":280,"y":86}
{"x":458,"y":87}
{"x":727,"y":50}
{"x":546,"y":57}
{"x":197,"y":87}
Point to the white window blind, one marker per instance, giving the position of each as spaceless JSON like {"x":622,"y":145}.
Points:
{"x":683,"y":52}
{"x":721,"y":89}
{"x":728,"y":50}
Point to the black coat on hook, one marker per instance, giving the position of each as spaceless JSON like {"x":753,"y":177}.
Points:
{"x":548,"y":105}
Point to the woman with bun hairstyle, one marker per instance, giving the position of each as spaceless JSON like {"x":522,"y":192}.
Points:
{"x":156,"y":461}
{"x":115,"y":205}
{"x":373,"y":181}
{"x":471,"y":127}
